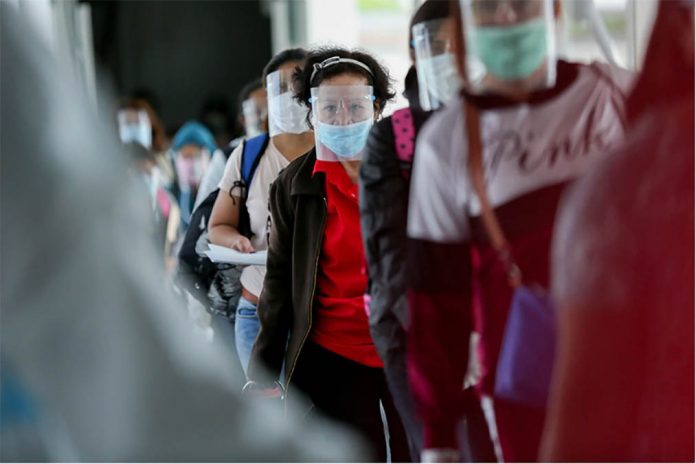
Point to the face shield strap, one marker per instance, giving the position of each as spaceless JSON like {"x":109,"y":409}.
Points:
{"x":318,"y":67}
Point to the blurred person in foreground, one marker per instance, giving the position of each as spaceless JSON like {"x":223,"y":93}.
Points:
{"x":96,"y":366}
{"x":623,"y":276}
{"x":526,"y":126}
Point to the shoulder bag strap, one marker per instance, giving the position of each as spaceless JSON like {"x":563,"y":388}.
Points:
{"x":477,"y":177}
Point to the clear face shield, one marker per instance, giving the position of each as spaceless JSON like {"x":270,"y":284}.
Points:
{"x":509,"y":44}
{"x":438,"y":80}
{"x":342,"y":117}
{"x":285,"y":114}
{"x":134,"y":126}
{"x":254,"y":117}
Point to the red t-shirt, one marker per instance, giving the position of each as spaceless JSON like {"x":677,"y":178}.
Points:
{"x":340,"y":323}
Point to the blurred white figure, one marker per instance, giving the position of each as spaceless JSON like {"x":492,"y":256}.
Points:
{"x":92,"y":341}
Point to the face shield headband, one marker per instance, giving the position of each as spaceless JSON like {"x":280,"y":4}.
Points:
{"x":334,"y":60}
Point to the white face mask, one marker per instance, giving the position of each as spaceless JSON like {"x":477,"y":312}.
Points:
{"x":440,"y":75}
{"x":286,"y":116}
{"x":137,"y":129}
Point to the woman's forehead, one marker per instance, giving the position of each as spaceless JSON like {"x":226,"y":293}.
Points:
{"x":345,"y":79}
{"x":342,"y":91}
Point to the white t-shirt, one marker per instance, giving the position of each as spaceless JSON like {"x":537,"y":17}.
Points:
{"x":525,"y":148}
{"x":211,"y":177}
{"x":270,"y":165}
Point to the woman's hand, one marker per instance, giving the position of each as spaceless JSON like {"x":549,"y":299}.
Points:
{"x":241,"y":244}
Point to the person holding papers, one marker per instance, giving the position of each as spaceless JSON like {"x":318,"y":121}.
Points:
{"x":290,"y":137}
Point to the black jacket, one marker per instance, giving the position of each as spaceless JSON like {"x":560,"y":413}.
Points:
{"x":384,"y":192}
{"x":298,"y":213}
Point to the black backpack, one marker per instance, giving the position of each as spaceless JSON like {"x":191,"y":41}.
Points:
{"x":196,"y":273}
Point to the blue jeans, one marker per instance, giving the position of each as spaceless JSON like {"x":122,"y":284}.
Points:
{"x":223,"y":329}
{"x":246,"y":328}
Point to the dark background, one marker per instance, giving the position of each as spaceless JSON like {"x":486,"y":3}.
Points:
{"x":185,"y":53}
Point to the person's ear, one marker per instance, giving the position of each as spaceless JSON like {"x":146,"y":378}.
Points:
{"x":378,"y":111}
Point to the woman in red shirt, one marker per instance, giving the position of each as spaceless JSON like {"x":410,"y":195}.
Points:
{"x":311,"y":309}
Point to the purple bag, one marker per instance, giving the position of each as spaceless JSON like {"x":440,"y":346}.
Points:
{"x":526,"y":357}
{"x":523,"y":374}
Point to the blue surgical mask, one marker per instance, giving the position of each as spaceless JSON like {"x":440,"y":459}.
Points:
{"x":512,"y":52}
{"x":344,"y":141}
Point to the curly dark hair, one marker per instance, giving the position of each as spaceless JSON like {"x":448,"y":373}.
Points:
{"x":380,"y":80}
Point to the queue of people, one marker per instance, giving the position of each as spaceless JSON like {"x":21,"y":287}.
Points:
{"x":500,"y":271}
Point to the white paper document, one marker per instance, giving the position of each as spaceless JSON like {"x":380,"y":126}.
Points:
{"x":219,"y":254}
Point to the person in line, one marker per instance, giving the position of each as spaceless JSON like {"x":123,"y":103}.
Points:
{"x":165,"y":211}
{"x":192,"y":147}
{"x":311,"y":310}
{"x":623,"y":276}
{"x":138,"y":122}
{"x":290,"y":137}
{"x":384,"y":187}
{"x":541,"y":123}
{"x":253,"y":108}
{"x":253,"y":116}
{"x":97,"y":361}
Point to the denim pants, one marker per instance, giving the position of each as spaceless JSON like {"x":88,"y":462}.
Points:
{"x":246,"y":328}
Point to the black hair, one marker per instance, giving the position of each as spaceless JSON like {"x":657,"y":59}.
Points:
{"x":144,"y":93}
{"x":379,"y":79}
{"x":246,"y":91}
{"x":286,"y":56}
{"x":430,"y":10}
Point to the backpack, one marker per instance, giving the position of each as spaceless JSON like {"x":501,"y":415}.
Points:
{"x":404,"y":138}
{"x":404,"y":144}
{"x":196,"y":273}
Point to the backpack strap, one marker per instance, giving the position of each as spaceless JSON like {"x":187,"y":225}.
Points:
{"x":404,"y":138}
{"x":252,"y":150}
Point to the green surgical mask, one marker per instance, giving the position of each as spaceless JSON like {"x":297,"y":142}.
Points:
{"x":512,"y":52}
